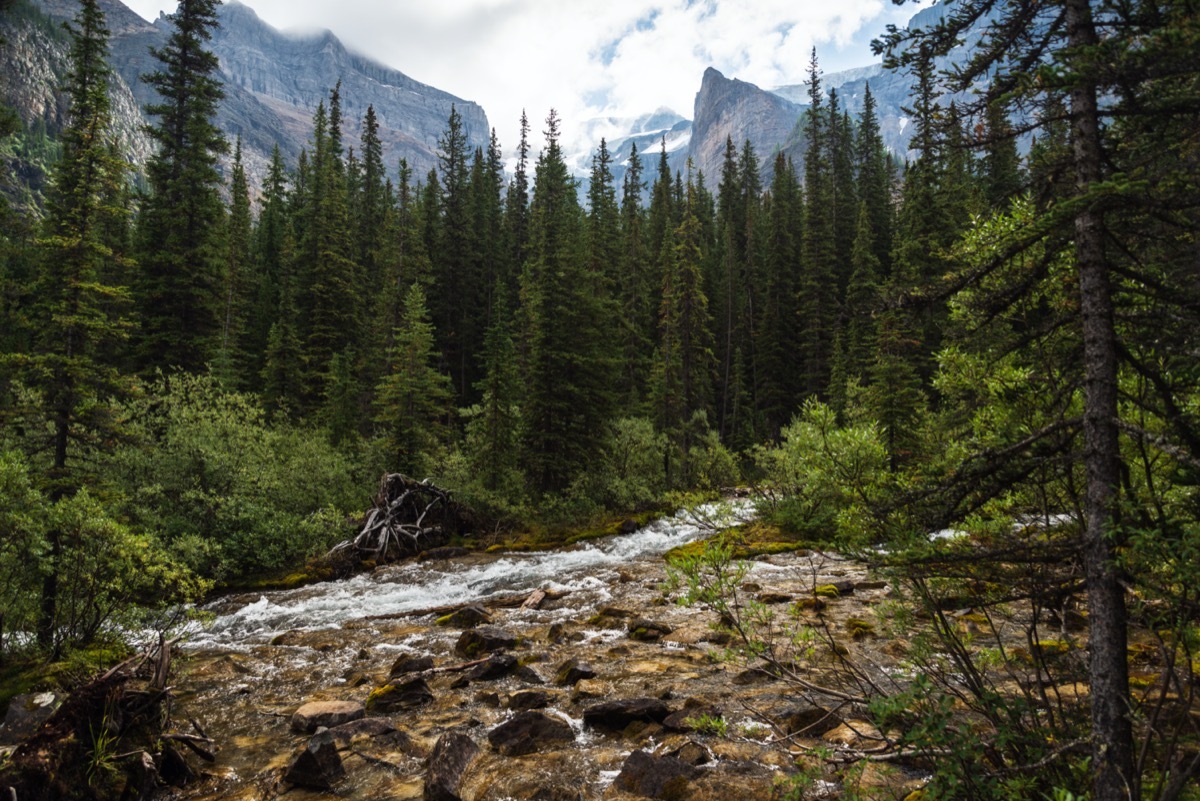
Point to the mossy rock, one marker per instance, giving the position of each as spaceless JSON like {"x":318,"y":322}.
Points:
{"x":1050,"y":648}
{"x":859,"y":628}
{"x":810,"y":605}
{"x":826,"y":591}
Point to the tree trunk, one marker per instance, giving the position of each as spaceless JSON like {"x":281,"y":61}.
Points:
{"x":1112,"y":734}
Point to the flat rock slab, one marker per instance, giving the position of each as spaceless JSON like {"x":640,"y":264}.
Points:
{"x":25,"y":714}
{"x":310,"y":717}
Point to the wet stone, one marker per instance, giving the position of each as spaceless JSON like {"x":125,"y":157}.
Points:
{"x":466,"y":618}
{"x":684,"y":719}
{"x":474,"y":643}
{"x":312,"y":716}
{"x":529,"y":699}
{"x":364,"y":728}
{"x":528,"y":675}
{"x":410,"y":663}
{"x":774,"y":597}
{"x":691,"y":752}
{"x":25,"y":714}
{"x":807,"y":720}
{"x":649,"y":776}
{"x":572,"y":671}
{"x":617,"y":715}
{"x":451,"y":757}
{"x":497,"y":666}
{"x":646,"y":630}
{"x":318,"y":766}
{"x":397,"y":697}
{"x":529,"y":732}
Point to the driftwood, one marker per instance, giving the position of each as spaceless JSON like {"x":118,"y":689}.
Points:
{"x":408,"y":517}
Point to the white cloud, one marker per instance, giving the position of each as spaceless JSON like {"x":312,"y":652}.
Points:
{"x":620,"y":58}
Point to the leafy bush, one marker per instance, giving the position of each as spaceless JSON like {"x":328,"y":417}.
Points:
{"x":823,"y":480}
{"x":232,"y":494}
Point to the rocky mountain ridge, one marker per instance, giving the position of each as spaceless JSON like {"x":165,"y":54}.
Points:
{"x":273,"y":83}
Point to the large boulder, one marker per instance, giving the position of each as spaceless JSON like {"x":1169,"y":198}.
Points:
{"x":474,"y":643}
{"x":649,"y":776}
{"x":447,"y":765}
{"x":410,"y":663}
{"x":466,"y":618}
{"x":573,"y":671}
{"x":310,"y":717}
{"x":318,"y":766}
{"x":528,"y":732}
{"x":497,"y":666}
{"x":396,"y":697}
{"x":616,"y":715}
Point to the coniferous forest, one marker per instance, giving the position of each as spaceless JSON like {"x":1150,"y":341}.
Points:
{"x":996,"y":332}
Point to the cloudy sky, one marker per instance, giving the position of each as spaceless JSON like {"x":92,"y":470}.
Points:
{"x":589,"y":60}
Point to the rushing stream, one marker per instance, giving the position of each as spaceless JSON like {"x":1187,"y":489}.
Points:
{"x":421,"y":585}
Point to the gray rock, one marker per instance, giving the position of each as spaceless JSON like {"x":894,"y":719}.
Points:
{"x":655,"y":777}
{"x":447,"y":765}
{"x":474,"y":643}
{"x":572,"y":671}
{"x":466,"y":618}
{"x":409,"y":663}
{"x":25,"y":714}
{"x":529,"y":732}
{"x":616,"y":715}
{"x":396,"y":697}
{"x":318,"y":766}
{"x":311,"y":716}
{"x":497,"y":666}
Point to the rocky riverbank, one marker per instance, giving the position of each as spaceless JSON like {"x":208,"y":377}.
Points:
{"x":602,"y":687}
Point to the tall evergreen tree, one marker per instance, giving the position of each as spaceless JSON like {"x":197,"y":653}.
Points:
{"x":229,"y":362}
{"x":413,"y":399}
{"x":178,"y":292}
{"x":569,"y":367}
{"x":78,"y":314}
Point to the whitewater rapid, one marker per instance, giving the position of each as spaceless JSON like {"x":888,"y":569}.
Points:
{"x":422,"y":585}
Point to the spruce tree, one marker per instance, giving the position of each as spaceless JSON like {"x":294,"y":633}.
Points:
{"x":413,"y":400}
{"x":569,"y":367}
{"x":180,"y":224}
{"x":78,"y":313}
{"x":230,"y":361}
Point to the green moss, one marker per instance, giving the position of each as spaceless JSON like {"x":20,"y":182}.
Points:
{"x":859,"y":628}
{"x":379,"y":695}
{"x":826,"y":591}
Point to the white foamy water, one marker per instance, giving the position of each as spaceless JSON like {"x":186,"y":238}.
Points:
{"x":414,"y":586}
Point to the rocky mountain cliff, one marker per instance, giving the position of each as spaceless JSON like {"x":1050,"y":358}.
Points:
{"x":273,"y":83}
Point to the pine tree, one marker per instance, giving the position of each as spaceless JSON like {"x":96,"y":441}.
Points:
{"x":516,"y":205}
{"x":634,"y":288}
{"x":452,"y":256}
{"x":818,"y":290}
{"x":685,"y":360}
{"x":569,"y":367}
{"x":229,"y":362}
{"x":178,"y":293}
{"x":778,"y":337}
{"x":77,"y":313}
{"x":494,"y":435}
{"x":413,"y":400}
{"x":875,"y":181}
{"x":327,"y":275}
